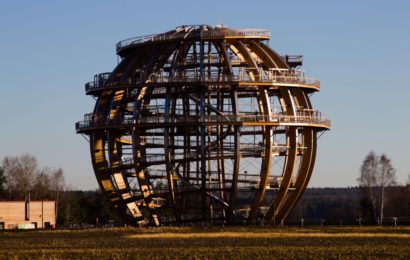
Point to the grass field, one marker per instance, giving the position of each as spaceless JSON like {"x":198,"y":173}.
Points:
{"x":209,"y":243}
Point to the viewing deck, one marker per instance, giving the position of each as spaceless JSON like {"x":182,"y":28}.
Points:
{"x":93,"y":121}
{"x":189,"y":32}
{"x":246,"y":76}
{"x":293,"y":60}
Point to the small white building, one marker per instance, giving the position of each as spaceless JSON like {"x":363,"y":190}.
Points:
{"x":27,"y":215}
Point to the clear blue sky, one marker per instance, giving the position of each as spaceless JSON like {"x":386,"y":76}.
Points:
{"x":358,"y":49}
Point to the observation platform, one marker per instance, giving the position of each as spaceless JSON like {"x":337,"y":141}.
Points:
{"x":185,"y":107}
{"x":270,"y":77}
{"x":194,"y":32}
{"x":94,"y":122}
{"x":293,"y":60}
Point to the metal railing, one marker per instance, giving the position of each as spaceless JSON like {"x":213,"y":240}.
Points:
{"x":293,"y":58}
{"x":247,"y":75}
{"x":95,"y":121}
{"x":185,"y":32}
{"x":100,"y":83}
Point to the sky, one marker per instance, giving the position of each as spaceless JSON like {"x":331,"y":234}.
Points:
{"x":359,"y":50}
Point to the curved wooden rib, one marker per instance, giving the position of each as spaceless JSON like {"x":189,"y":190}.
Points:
{"x":138,"y":143}
{"x":304,"y":173}
{"x":168,"y":141}
{"x":235,"y":175}
{"x":275,"y":56}
{"x":307,"y":161}
{"x":290,"y":161}
{"x":264,"y":109}
{"x":267,"y":140}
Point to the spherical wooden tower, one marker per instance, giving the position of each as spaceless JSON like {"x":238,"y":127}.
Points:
{"x":203,"y":125}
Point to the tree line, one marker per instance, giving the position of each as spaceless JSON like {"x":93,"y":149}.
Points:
{"x":378,"y":199}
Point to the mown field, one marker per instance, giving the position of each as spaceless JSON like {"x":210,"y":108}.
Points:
{"x":209,"y":243}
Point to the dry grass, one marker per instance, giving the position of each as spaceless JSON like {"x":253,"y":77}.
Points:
{"x":264,"y":235}
{"x":209,"y":243}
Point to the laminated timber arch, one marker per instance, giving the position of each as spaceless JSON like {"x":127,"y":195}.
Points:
{"x":203,"y":125}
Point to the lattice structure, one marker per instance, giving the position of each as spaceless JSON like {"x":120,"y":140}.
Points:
{"x":203,"y":125}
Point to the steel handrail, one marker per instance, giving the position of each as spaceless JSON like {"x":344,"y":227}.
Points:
{"x":98,"y":121}
{"x":177,"y":35}
{"x":258,"y":75}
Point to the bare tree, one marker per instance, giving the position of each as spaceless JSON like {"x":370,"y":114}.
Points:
{"x":41,"y":186}
{"x":2,"y":184}
{"x":367,"y":179}
{"x":20,"y":172}
{"x":376,"y":174}
{"x":57,"y":185}
{"x":386,"y":178}
{"x":23,"y":176}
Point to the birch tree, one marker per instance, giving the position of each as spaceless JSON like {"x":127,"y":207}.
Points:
{"x":367,"y":179}
{"x":386,"y":178}
{"x":376,"y":175}
{"x":57,"y":185}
